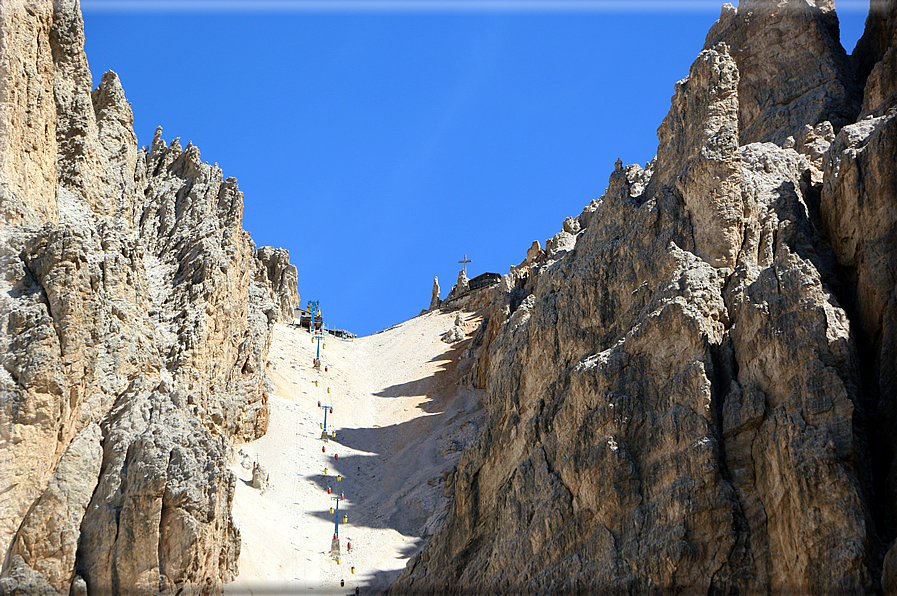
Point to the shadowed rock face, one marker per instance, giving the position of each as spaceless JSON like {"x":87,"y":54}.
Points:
{"x":685,"y":398}
{"x":136,"y":318}
{"x":875,"y":58}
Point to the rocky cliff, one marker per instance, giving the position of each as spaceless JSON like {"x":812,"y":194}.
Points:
{"x":136,"y":315}
{"x":693,"y":388}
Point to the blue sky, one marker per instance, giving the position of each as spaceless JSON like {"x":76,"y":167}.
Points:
{"x":380,"y":144}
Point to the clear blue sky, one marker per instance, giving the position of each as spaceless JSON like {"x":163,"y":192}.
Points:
{"x":381,"y":146}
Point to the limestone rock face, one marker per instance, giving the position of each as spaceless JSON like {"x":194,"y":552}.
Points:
{"x":202,"y":267}
{"x":27,"y":116}
{"x":459,"y":288}
{"x":284,"y":279}
{"x":135,"y":319}
{"x":686,"y":399}
{"x":78,"y":333}
{"x":82,"y":166}
{"x":534,"y":254}
{"x":795,"y":358}
{"x":698,"y":154}
{"x":161,"y":511}
{"x":560,"y":242}
{"x":792,"y":68}
{"x":48,"y":541}
{"x":813,"y":142}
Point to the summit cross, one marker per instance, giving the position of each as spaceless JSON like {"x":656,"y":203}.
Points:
{"x":465,"y":262}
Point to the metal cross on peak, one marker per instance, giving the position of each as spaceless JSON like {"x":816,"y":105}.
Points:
{"x":465,"y":262}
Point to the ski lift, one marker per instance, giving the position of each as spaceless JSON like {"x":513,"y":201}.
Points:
{"x":328,"y":490}
{"x":342,"y":583}
{"x":339,"y":477}
{"x":323,"y":449}
{"x":345,"y":518}
{"x":336,"y":456}
{"x":353,"y":571}
{"x":333,"y":433}
{"x":331,"y":410}
{"x":328,"y":389}
{"x":325,"y":471}
{"x":331,"y":511}
{"x":349,"y":547}
{"x":316,"y":383}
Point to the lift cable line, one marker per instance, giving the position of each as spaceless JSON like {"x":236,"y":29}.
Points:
{"x":327,"y":409}
{"x":334,"y":544}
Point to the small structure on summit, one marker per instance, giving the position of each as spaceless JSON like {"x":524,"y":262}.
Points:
{"x":312,"y":313}
{"x":465,"y":262}
{"x":465,"y":285}
{"x":481,"y":281}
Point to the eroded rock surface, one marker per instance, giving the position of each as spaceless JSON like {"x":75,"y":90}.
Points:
{"x":284,"y":279}
{"x":875,"y":58}
{"x":792,"y":68}
{"x":160,"y":519}
{"x":691,"y":388}
{"x":136,"y":316}
{"x":683,"y":398}
{"x":698,"y":154}
{"x":434,"y":295}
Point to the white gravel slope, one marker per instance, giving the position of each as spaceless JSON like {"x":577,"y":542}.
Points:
{"x":401,"y":421}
